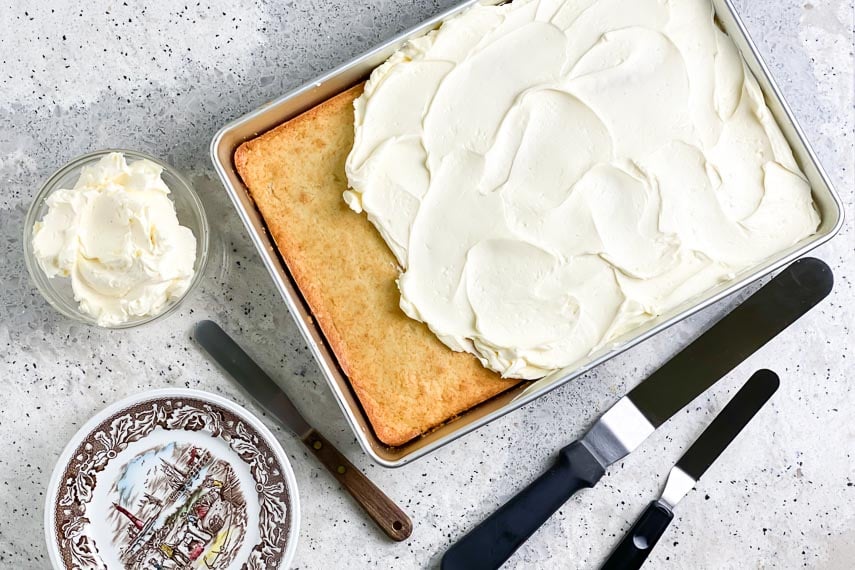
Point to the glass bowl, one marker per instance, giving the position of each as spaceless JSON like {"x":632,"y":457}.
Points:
{"x":57,"y":291}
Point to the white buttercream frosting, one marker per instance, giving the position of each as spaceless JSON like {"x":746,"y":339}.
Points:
{"x":552,"y":174}
{"x":117,"y":236}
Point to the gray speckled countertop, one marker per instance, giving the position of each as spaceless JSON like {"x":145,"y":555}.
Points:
{"x":78,"y":77}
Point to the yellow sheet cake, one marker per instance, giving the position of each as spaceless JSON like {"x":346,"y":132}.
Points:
{"x":407,"y":381}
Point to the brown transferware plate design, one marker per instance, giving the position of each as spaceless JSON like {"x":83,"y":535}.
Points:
{"x":172,"y":479}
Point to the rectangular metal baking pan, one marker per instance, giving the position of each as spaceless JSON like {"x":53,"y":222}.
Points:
{"x":292,"y":104}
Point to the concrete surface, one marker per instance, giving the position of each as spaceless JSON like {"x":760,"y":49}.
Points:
{"x":164,"y":77}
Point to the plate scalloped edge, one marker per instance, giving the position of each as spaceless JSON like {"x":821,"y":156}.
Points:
{"x":104,"y":437}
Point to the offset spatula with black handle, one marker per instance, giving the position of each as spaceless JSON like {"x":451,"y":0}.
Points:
{"x":636,"y":546}
{"x":770,"y":310}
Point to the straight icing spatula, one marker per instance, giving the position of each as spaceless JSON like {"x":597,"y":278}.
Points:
{"x":636,"y":546}
{"x":760,"y":318}
{"x":249,"y":375}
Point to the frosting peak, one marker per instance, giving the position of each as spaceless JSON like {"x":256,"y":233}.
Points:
{"x":550,"y":174}
{"x":116,"y":235}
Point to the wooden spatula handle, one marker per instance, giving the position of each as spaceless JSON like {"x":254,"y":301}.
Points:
{"x":388,"y":516}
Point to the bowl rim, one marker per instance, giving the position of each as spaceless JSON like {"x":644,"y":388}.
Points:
{"x":159,"y":393}
{"x":37,"y":275}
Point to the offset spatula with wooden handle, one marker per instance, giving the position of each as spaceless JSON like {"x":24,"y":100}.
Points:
{"x":770,"y":310}
{"x":388,"y":516}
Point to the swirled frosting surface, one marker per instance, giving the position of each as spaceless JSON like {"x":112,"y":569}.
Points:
{"x":116,"y":235}
{"x":552,"y":174}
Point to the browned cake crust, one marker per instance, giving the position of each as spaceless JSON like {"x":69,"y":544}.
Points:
{"x":406,"y":380}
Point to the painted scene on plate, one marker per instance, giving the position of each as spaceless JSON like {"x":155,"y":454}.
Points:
{"x":177,"y":506}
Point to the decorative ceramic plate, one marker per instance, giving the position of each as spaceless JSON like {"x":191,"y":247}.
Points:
{"x":172,"y":479}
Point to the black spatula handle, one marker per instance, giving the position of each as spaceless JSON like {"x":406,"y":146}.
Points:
{"x":636,"y":546}
{"x":493,"y":541}
{"x":765,"y":314}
